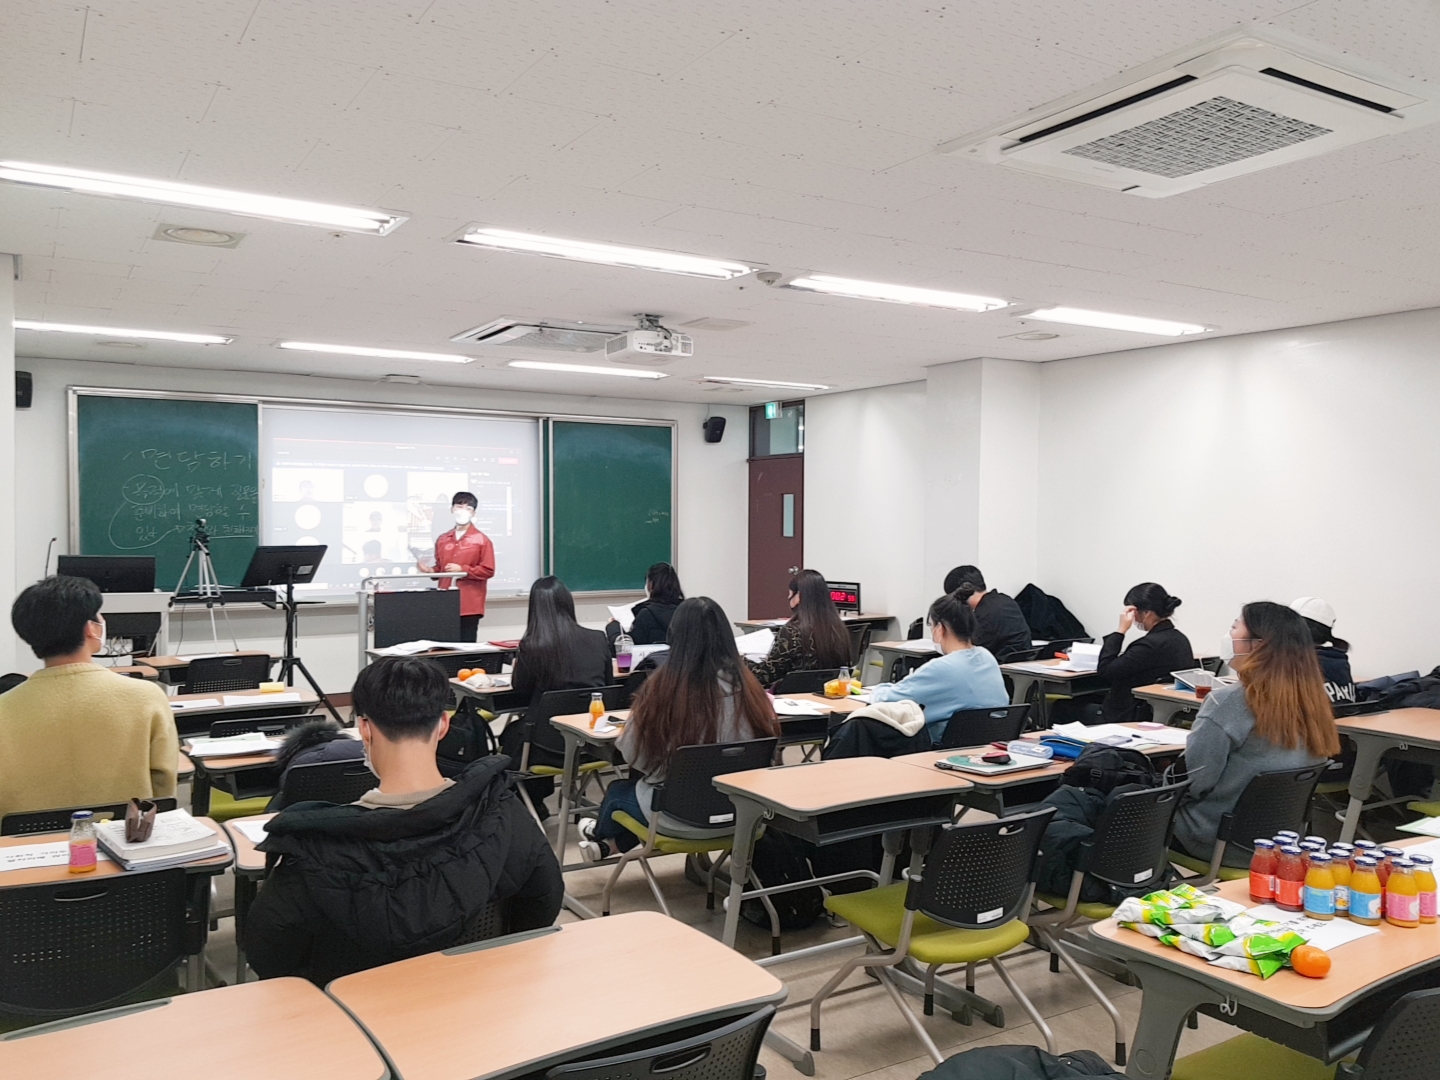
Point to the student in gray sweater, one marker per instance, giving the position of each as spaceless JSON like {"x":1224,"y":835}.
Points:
{"x":1276,"y":717}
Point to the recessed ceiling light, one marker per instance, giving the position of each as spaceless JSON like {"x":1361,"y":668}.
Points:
{"x":1106,"y":320}
{"x":586,"y":369}
{"x":1034,"y":335}
{"x":121,"y":344}
{"x":296,"y":211}
{"x":388,"y":354}
{"x":116,"y":331}
{"x":765,"y":382}
{"x":714,"y":324}
{"x":667,"y":262}
{"x":190,"y":234}
{"x":895,"y":294}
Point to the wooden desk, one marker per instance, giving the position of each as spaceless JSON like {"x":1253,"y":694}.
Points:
{"x":184,"y":767}
{"x":494,"y":699}
{"x":481,"y":654}
{"x":829,"y":801}
{"x":1051,"y":680}
{"x":1167,"y":699}
{"x":1413,"y":730}
{"x":249,"y":869}
{"x":198,"y":721}
{"x":1325,"y":1018}
{"x":424,"y":1012}
{"x":917,"y":649}
{"x":135,"y":671}
{"x":878,"y":621}
{"x":171,"y":670}
{"x":281,"y":1028}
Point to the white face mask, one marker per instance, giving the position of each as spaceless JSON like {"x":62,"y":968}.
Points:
{"x":1227,"y":648}
{"x":462,"y":517}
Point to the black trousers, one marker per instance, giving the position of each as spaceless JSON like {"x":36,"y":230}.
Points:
{"x":470,"y":627}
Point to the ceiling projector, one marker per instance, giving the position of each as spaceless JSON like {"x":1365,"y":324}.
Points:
{"x":651,"y":344}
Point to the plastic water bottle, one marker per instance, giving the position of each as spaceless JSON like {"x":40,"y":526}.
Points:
{"x":83,"y":854}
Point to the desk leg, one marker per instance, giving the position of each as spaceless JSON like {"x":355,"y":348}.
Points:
{"x":1164,"y":710}
{"x":1169,"y":998}
{"x":747,"y":819}
{"x":791,"y":1051}
{"x":1021,"y":686}
{"x":245,"y":889}
{"x":1369,"y":750}
{"x":199,"y":790}
{"x":567,"y":787}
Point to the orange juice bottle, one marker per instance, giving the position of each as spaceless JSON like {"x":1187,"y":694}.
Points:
{"x":1341,"y":868}
{"x":1365,"y":893}
{"x":1320,"y":888}
{"x":1425,"y":878}
{"x":597,"y":707}
{"x":1402,"y":895}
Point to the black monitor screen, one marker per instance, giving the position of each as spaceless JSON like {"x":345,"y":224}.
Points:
{"x":112,"y":573}
{"x":846,"y":595}
{"x":419,"y":615}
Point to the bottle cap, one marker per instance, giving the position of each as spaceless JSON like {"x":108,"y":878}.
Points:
{"x":1421,"y":860}
{"x":1319,"y":857}
{"x":1403,"y":864}
{"x":1339,"y":853}
{"x":1365,"y":861}
{"x":1264,"y":843}
{"x":1289,"y":849}
{"x":1312,"y":845}
{"x":1342,"y":847}
{"x":1286,"y":834}
{"x":1316,"y":839}
{"x":1366,"y":845}
{"x":82,"y":815}
{"x":1394,"y":852}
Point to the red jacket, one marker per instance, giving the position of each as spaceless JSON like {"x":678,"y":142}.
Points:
{"x":476,"y":554}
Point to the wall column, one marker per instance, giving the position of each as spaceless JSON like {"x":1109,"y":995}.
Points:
{"x":9,"y":659}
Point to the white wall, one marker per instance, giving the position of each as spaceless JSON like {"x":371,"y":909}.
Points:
{"x":9,"y":654}
{"x":710,"y":514}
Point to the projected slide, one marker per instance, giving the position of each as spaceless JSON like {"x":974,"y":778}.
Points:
{"x":376,"y":487}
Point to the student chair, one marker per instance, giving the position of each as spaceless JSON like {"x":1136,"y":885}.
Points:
{"x":689,"y":803}
{"x":542,"y":749}
{"x":1270,"y":803}
{"x":217,"y":674}
{"x":968,"y":905}
{"x":274,"y":726}
{"x":327,"y":781}
{"x":977,"y":727}
{"x":859,"y":642}
{"x":1129,"y":849}
{"x":806,"y":682}
{"x":74,"y":946}
{"x":727,"y":1053}
{"x":41,"y":821}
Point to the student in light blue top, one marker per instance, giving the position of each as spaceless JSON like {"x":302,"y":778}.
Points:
{"x":963,"y":676}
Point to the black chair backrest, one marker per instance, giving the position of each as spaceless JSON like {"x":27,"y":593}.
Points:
{"x":1059,"y":645}
{"x":1019,"y":656}
{"x":688,"y":794}
{"x":806,"y":682}
{"x":977,"y":727}
{"x":492,"y":921}
{"x":859,"y":641}
{"x":916,"y":629}
{"x":327,"y":781}
{"x":74,"y":946}
{"x":979,"y":876}
{"x":565,"y":703}
{"x":1212,"y":664}
{"x":1271,"y":803}
{"x":727,"y":1053}
{"x":217,"y":674}
{"x":1342,"y":709}
{"x":270,"y":725}
{"x":1131,"y":843}
{"x":633,"y":682}
{"x":1402,"y":1045}
{"x":29,"y":822}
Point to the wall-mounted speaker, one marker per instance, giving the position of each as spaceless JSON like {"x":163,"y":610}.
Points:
{"x":714,"y":428}
{"x":25,"y":389}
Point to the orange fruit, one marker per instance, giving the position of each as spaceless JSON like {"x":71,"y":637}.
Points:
{"x":1309,"y":961}
{"x":464,"y":673}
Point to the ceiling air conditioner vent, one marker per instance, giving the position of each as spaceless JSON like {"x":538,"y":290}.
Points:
{"x":547,"y":335}
{"x":1244,"y":101}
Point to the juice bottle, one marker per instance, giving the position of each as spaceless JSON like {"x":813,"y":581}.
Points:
{"x":1402,"y":895}
{"x":597,"y":707}
{"x":1340,"y":867}
{"x":1286,"y":837}
{"x":1365,"y":892}
{"x":1425,"y":878}
{"x":1367,"y":848}
{"x":1308,"y":848}
{"x":1262,"y":872}
{"x":83,"y":854}
{"x":1289,"y":880}
{"x":1320,"y":888}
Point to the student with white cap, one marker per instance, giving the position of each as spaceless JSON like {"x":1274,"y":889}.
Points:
{"x":1331,"y":650}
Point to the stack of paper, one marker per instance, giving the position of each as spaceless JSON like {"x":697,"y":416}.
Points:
{"x":261,"y":699}
{"x":1120,"y":735}
{"x":1083,"y":657}
{"x":624,"y":614}
{"x":26,"y":856}
{"x":414,"y":648}
{"x":1426,"y":826}
{"x":640,"y":652}
{"x":252,"y":742}
{"x":177,"y":839}
{"x":787,"y":707}
{"x":756,"y":645}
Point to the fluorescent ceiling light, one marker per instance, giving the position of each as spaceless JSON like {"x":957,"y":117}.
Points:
{"x":587,"y":369}
{"x":297,"y":211}
{"x":117,"y":332}
{"x":766,"y":382}
{"x":667,"y":262}
{"x":896,"y":294}
{"x":1106,"y":320}
{"x":388,"y":354}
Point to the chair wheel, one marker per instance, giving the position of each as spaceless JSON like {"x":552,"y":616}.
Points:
{"x":996,"y":1018}
{"x":963,"y":1015}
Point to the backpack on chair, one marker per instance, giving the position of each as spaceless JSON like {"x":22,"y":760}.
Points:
{"x":469,"y":739}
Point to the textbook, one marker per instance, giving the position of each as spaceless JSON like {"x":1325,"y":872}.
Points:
{"x":972,"y":763}
{"x":177,"y":839}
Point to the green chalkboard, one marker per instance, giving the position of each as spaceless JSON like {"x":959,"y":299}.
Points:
{"x":609,"y":503}
{"x":146,"y":468}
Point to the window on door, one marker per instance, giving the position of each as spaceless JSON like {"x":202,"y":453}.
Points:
{"x":777,"y":428}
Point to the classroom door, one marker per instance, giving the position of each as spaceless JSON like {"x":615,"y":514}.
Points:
{"x":777,"y":531}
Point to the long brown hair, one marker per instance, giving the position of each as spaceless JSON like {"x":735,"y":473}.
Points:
{"x":681,"y":702}
{"x":822,"y":632}
{"x":1283,"y":683}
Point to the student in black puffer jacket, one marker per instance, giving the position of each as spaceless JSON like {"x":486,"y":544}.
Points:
{"x":413,"y":865}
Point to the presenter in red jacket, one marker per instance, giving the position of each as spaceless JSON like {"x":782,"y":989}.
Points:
{"x":470,"y":554}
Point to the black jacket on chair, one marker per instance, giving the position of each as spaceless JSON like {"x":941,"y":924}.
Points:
{"x":1149,"y":659}
{"x":1000,"y":626}
{"x":353,"y":887}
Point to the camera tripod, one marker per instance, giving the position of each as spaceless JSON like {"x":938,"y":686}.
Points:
{"x":207,"y":585}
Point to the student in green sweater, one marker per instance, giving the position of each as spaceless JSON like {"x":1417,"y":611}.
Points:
{"x":75,"y":733}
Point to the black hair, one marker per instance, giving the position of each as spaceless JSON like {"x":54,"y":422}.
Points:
{"x":966,"y":579}
{"x":403,"y":696}
{"x":464,"y":498}
{"x":550,"y":627}
{"x":1321,"y":634}
{"x":1147,"y":596}
{"x":822,"y":632}
{"x":664,"y":584}
{"x":50,"y":616}
{"x":955,"y":614}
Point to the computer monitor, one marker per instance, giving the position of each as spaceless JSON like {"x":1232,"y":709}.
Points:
{"x":846,"y":595}
{"x":112,"y":573}
{"x":416,"y":615}
{"x":283,"y":564}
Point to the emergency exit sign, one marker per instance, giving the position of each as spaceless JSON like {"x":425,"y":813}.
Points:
{"x":772,"y":410}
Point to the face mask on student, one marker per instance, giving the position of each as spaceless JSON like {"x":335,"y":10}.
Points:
{"x":1227,"y":648}
{"x":462,"y":517}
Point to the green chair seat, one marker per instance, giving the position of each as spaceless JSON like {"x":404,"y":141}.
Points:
{"x":674,"y":845}
{"x":1429,"y":809}
{"x":1250,"y":1055}
{"x":224,"y":806}
{"x":556,"y":770}
{"x":879,"y":913}
{"x":1332,"y":787}
{"x":1227,"y":873}
{"x":1091,"y":911}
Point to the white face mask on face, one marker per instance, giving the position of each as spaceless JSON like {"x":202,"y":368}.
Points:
{"x":463,"y":516}
{"x":1227,"y":648}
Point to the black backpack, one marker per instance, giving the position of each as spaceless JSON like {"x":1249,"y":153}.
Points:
{"x":779,"y":859}
{"x":469,"y":739}
{"x":1104,"y":768}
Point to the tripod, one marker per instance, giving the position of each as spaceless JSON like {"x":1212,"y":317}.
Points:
{"x":207,"y":584}
{"x":289,"y":662}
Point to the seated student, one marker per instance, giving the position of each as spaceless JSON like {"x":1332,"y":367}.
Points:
{"x":1000,"y":625}
{"x":1276,"y":717}
{"x":653,"y":614}
{"x":74,"y":732}
{"x":315,"y":742}
{"x":964,"y":676}
{"x":702,"y":694}
{"x":1331,"y":651}
{"x":814,"y":638}
{"x":411,"y":865}
{"x":1149,"y":659}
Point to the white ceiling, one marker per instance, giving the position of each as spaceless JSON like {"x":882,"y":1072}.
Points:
{"x":800,"y":135}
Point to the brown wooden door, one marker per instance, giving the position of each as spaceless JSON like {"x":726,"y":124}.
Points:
{"x":777,"y":508}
